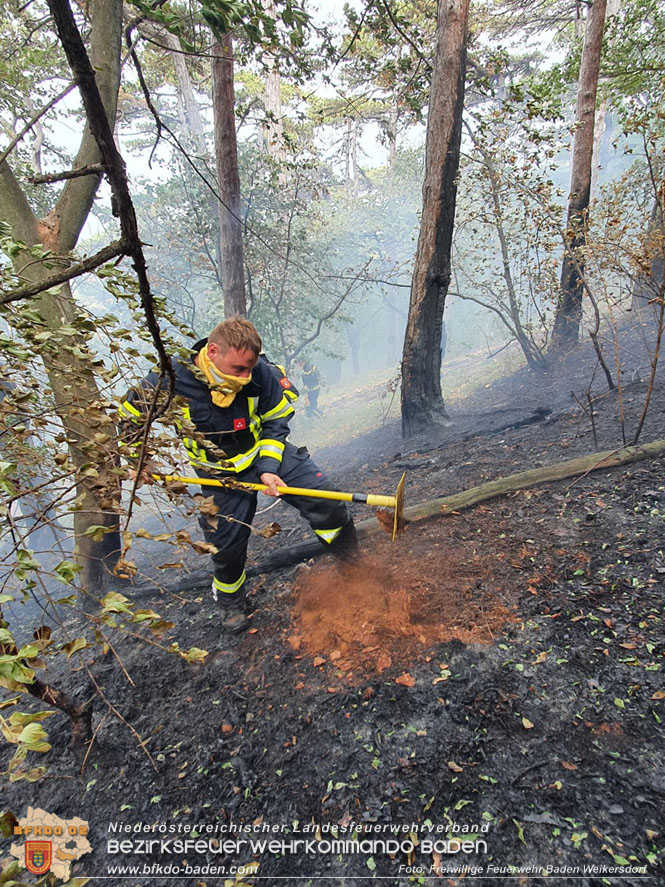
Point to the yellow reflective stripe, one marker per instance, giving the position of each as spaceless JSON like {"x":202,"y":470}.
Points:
{"x":131,"y":450}
{"x":233,"y":463}
{"x":229,"y":587}
{"x":273,"y":448}
{"x":282,"y":409}
{"x":328,"y":535}
{"x":291,"y":395}
{"x":129,"y":410}
{"x":254,"y":420}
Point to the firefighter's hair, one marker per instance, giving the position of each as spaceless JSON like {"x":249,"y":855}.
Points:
{"x":238,"y":333}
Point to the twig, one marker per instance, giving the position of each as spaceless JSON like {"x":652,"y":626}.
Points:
{"x":118,"y":659}
{"x":593,"y":467}
{"x":34,"y":119}
{"x":386,"y":6}
{"x":122,"y":720}
{"x":592,"y":417}
{"x":654,"y":363}
{"x":535,"y":766}
{"x":92,"y":742}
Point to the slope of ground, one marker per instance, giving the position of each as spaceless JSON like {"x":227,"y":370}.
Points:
{"x":496,"y":674}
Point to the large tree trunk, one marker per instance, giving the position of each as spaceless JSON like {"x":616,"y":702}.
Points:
{"x":79,"y":403}
{"x":228,"y":179}
{"x":422,"y":402}
{"x":569,"y":310}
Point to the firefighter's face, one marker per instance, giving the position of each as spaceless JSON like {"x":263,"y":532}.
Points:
{"x":234,"y":362}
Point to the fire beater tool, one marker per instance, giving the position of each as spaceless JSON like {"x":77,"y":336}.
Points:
{"x":395,"y":502}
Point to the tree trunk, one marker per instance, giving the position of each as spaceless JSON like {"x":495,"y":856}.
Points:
{"x":79,"y":403}
{"x":422,"y":401}
{"x":273,"y":128}
{"x":228,"y":178}
{"x":191,"y":115}
{"x":569,"y":311}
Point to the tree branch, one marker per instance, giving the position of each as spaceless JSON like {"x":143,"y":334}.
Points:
{"x":49,"y":178}
{"x":117,"y":248}
{"x":75,"y":200}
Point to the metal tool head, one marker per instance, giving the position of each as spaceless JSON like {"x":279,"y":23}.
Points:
{"x":398,"y":520}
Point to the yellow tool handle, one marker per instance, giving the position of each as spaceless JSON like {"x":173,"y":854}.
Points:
{"x":381,"y":501}
{"x":369,"y":498}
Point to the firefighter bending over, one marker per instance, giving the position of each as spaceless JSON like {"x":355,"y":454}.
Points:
{"x":241,"y":408}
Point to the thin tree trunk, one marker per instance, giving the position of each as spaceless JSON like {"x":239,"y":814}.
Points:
{"x":228,"y":178}
{"x":273,"y":128}
{"x":422,"y":401}
{"x":569,"y":311}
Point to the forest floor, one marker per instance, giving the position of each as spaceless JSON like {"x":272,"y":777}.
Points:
{"x":495,"y":675}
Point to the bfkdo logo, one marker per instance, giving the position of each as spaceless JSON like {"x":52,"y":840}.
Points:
{"x":51,"y":844}
{"x":38,"y":856}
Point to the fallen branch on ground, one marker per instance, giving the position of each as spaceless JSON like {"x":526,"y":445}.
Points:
{"x":446,"y":505}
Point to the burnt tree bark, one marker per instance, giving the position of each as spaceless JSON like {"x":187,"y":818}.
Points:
{"x":569,"y":310}
{"x":228,"y":179}
{"x":422,"y":401}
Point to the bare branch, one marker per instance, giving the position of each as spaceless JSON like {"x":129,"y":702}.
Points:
{"x":49,"y":178}
{"x":114,"y":167}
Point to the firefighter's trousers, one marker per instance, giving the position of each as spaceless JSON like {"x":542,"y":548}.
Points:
{"x":229,"y":529}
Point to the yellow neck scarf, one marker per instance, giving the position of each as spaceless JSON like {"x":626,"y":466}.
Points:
{"x":223,"y":388}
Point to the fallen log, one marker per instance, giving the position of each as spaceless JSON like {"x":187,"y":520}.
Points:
{"x":523,"y":480}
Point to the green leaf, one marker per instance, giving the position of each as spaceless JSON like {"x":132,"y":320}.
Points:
{"x":33,"y":736}
{"x":194,"y":654}
{"x":66,"y":571}
{"x":97,"y":531}
{"x":71,"y":647}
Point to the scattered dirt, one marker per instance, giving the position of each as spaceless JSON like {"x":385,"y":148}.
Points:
{"x":365,"y":617}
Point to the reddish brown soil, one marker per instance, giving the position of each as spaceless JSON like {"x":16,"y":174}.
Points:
{"x":366,"y":617}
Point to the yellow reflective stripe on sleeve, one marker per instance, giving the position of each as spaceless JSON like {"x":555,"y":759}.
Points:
{"x":129,"y":411}
{"x":229,"y":587}
{"x":280,"y":411}
{"x":232,"y":464}
{"x":291,"y":395}
{"x":272,"y":448}
{"x":328,"y":535}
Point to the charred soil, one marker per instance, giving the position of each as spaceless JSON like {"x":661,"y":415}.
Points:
{"x":497,"y":672}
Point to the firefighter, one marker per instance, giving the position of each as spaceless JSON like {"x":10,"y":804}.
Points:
{"x":312,"y":384}
{"x":241,"y":408}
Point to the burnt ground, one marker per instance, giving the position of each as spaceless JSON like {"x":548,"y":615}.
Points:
{"x":496,"y":673}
